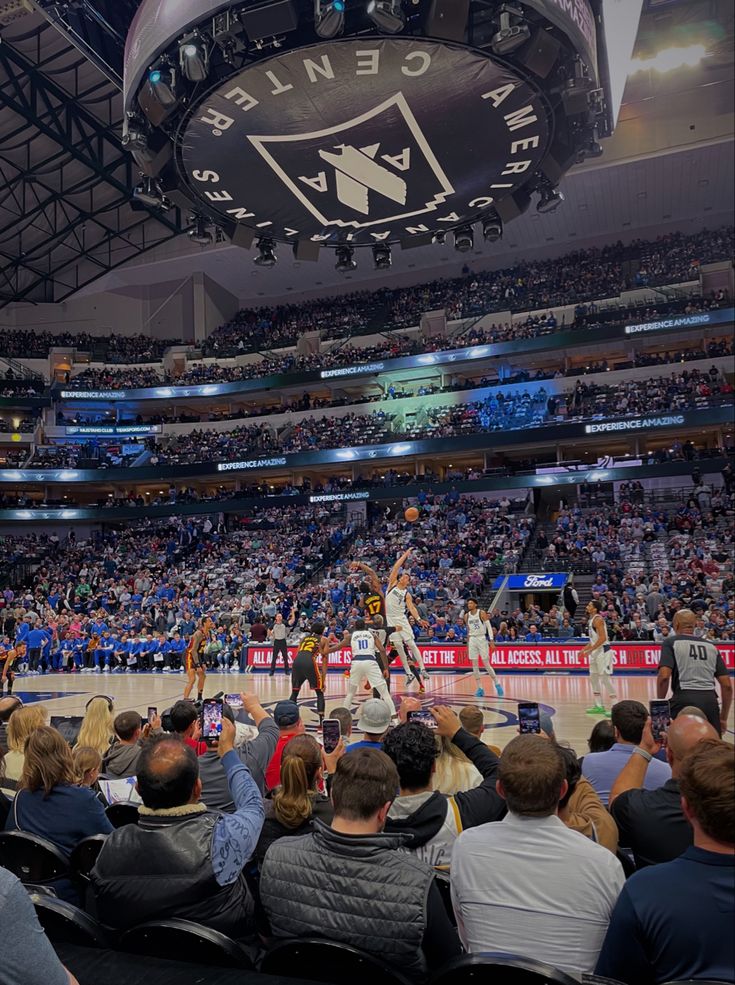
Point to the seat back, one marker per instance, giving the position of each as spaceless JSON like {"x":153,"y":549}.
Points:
{"x":66,"y":924}
{"x":84,"y":855}
{"x":31,"y":858}
{"x":505,"y":969}
{"x":176,"y":939}
{"x":121,"y":814}
{"x":329,"y":962}
{"x":443,"y":885}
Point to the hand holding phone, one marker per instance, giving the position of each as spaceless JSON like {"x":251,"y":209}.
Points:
{"x":152,"y":713}
{"x":331,"y":734}
{"x":211,"y":719}
{"x":660,"y":711}
{"x":529,"y":718}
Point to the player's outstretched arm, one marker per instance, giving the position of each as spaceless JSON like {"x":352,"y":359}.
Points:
{"x":371,"y":575}
{"x":396,"y":569}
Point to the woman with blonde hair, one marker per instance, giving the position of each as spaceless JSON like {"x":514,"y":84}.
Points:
{"x":49,"y":802}
{"x":454,"y":772}
{"x":21,"y":724}
{"x":297,"y":801}
{"x":97,"y":729}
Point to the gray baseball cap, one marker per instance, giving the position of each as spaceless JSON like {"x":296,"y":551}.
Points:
{"x":374,"y":716}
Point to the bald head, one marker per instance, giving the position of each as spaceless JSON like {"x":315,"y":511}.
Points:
{"x":685,"y":622}
{"x":685,"y":733}
{"x":168,"y":773}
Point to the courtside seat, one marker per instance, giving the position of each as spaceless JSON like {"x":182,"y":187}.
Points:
{"x":173,"y":939}
{"x":499,"y":969}
{"x":66,"y":924}
{"x":329,"y":962}
{"x":32,"y":858}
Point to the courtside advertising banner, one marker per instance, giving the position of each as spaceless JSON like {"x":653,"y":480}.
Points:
{"x":524,"y":657}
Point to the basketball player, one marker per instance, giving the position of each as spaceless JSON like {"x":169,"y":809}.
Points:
{"x":7,"y":658}
{"x":398,"y":605}
{"x":374,"y":602}
{"x":364,"y":643}
{"x":196,"y":669}
{"x":305,"y":667}
{"x":479,"y":645}
{"x":599,"y":653}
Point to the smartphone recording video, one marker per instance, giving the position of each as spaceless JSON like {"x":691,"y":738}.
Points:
{"x":211,"y":721}
{"x":529,"y":718}
{"x":152,"y":713}
{"x":660,"y":712}
{"x":331,"y":734}
{"x":424,"y":717}
{"x":234,"y":700}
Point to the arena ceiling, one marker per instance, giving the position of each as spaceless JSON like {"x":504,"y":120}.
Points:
{"x":67,"y":223}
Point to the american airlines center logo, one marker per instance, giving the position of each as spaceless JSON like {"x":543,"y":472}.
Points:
{"x":364,"y":140}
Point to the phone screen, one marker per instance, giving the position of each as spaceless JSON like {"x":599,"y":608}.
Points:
{"x":234,"y":700}
{"x":211,"y":720}
{"x":152,"y":713}
{"x":660,"y":718}
{"x":529,"y":718}
{"x":331,"y":734}
{"x":424,"y":717}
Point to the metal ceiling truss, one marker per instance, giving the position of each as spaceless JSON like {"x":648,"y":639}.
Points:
{"x":65,"y":182}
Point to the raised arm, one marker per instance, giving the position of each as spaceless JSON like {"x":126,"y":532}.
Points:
{"x":372,"y":577}
{"x":396,"y":569}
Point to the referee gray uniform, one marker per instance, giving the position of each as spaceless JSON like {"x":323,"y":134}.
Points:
{"x":280,"y":647}
{"x":694,"y":665}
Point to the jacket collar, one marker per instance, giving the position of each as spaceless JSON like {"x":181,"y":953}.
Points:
{"x":356,"y":846}
{"x":183,"y":810}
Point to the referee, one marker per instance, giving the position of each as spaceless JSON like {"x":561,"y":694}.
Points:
{"x":279,"y":635}
{"x":690,"y":665}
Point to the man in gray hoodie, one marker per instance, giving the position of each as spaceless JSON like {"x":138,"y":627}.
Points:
{"x":121,"y":759}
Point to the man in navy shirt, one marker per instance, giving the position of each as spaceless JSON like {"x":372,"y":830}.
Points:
{"x":674,"y":921}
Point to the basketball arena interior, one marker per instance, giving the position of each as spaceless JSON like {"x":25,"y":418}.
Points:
{"x":367,"y":607}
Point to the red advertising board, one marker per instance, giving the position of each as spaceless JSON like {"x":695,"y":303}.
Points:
{"x":525,"y":657}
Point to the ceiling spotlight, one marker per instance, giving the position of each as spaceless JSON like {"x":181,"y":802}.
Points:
{"x":266,"y":253}
{"x":387,"y":15}
{"x":329,"y":17}
{"x":382,"y":256}
{"x":550,"y":198}
{"x":149,"y":193}
{"x":345,"y":259}
{"x":194,"y":59}
{"x":492,"y":228}
{"x":464,"y":239}
{"x":440,"y":237}
{"x":199,"y":231}
{"x":163,"y":85}
{"x":513,"y":30}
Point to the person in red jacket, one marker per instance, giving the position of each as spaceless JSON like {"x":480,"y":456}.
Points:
{"x":287,"y":718}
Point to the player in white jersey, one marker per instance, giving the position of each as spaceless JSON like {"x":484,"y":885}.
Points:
{"x":479,"y":644}
{"x":600,"y":656}
{"x":365,"y":645}
{"x":398,"y":605}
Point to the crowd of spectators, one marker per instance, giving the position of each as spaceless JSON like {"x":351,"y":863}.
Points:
{"x":26,"y":344}
{"x":361,"y":845}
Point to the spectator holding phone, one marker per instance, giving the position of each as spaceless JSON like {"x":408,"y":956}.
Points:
{"x":651,"y":822}
{"x":182,"y":860}
{"x":673,"y":922}
{"x":432,"y":820}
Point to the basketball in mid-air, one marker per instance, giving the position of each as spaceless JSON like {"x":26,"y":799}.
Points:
{"x":411,"y":514}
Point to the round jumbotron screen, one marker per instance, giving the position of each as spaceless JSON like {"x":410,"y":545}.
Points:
{"x":344,"y":140}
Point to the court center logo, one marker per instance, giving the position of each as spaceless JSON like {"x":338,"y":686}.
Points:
{"x":367,"y":141}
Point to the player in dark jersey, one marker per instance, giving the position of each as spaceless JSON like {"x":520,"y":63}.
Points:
{"x":311,"y":664}
{"x":374,"y":605}
{"x":196,"y":669}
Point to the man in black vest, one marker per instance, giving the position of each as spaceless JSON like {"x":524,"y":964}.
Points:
{"x":350,"y":883}
{"x":182,"y":860}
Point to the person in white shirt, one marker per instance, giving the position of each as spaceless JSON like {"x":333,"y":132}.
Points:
{"x":365,"y":645}
{"x":529,"y":885}
{"x":480,"y":643}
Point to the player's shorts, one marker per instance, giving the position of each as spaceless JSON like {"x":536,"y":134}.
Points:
{"x":478,"y":648}
{"x":306,"y":670}
{"x":402,"y":633}
{"x":601,"y":661}
{"x":195,"y":661}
